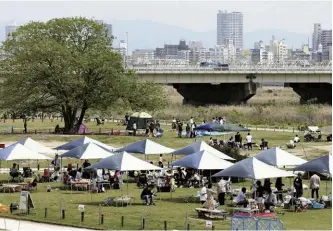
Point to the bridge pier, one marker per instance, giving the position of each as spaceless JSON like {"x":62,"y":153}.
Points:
{"x":322,"y":92}
{"x":206,"y":93}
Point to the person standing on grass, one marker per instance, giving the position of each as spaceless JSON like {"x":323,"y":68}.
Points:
{"x":147,"y":129}
{"x":180,"y":129}
{"x":249,"y":141}
{"x":203,"y":194}
{"x":298,"y":185}
{"x":314,"y":185}
{"x":221,"y":190}
{"x":188,"y":130}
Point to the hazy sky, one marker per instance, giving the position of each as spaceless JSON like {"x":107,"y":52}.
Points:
{"x":293,"y":16}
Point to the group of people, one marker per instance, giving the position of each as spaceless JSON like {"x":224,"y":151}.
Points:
{"x":177,"y":125}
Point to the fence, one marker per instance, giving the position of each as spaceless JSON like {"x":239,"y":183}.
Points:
{"x":252,"y":223}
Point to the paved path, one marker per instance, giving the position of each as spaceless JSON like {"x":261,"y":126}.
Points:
{"x":11,"y":225}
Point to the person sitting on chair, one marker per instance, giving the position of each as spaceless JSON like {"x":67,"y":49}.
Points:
{"x":14,"y":171}
{"x":271,"y":200}
{"x":241,"y":199}
{"x":147,"y":194}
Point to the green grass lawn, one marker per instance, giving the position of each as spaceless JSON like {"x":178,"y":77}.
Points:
{"x":173,"y":210}
{"x":170,"y":208}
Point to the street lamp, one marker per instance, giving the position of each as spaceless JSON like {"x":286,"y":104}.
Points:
{"x":279,"y":49}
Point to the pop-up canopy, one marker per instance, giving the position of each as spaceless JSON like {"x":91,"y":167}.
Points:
{"x":147,"y":147}
{"x":221,"y":128}
{"x":19,"y":152}
{"x":123,"y":161}
{"x":202,"y":160}
{"x":322,"y":164}
{"x":253,"y":169}
{"x":278,"y":157}
{"x":200,"y":146}
{"x":35,"y":146}
{"x":81,"y":141}
{"x":88,"y":151}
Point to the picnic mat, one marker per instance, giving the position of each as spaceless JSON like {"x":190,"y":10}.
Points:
{"x":256,"y":214}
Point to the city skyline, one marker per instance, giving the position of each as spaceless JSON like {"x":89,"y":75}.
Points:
{"x":257,"y":15}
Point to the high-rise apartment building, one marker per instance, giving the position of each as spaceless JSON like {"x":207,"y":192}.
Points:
{"x":230,"y":27}
{"x":10,"y":29}
{"x":316,"y":36}
{"x":326,"y":39}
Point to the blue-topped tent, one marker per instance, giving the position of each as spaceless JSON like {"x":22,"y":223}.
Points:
{"x":81,"y":141}
{"x":87,"y":152}
{"x":202,"y":160}
{"x":321,"y":165}
{"x":123,"y":161}
{"x":147,"y":147}
{"x":200,"y":146}
{"x":221,"y":128}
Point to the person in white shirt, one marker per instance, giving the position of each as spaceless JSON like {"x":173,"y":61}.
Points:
{"x":271,"y":200}
{"x":314,"y":185}
{"x":78,"y":175}
{"x":241,"y":199}
{"x":296,"y":139}
{"x":249,"y":141}
{"x":221,"y":190}
{"x":214,"y":120}
{"x":203,"y":194}
{"x":134,"y":129}
{"x":191,"y":120}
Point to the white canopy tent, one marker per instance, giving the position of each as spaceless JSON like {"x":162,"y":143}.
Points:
{"x":123,"y":161}
{"x":87,"y":151}
{"x":202,"y":160}
{"x":253,"y":168}
{"x":201,"y":146}
{"x":19,"y":152}
{"x":36,"y":146}
{"x":279,"y":158}
{"x":81,"y":141}
{"x":147,"y":147}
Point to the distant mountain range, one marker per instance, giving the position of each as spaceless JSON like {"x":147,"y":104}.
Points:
{"x":149,"y":35}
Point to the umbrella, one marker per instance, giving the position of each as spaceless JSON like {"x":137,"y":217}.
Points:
{"x":253,"y":168}
{"x":88,"y":151}
{"x":202,"y":160}
{"x":19,"y":152}
{"x":199,"y":146}
{"x":146,"y":146}
{"x":278,"y":157}
{"x":123,"y":161}
{"x":81,"y":141}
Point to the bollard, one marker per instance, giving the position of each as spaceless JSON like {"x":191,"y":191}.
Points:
{"x":38,"y":167}
{"x":165,"y":225}
{"x":63,"y":214}
{"x":35,"y":131}
{"x":102,"y":219}
{"x":45,"y":215}
{"x":188,"y":227}
{"x":122,"y":221}
{"x":213,"y":228}
{"x":143,"y":223}
{"x":82,"y":216}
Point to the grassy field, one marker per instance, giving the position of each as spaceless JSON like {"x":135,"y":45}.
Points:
{"x":170,"y":208}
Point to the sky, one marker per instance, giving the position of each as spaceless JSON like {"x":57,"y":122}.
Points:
{"x":200,"y":16}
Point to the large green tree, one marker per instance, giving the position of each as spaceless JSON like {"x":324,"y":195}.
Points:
{"x":67,"y":65}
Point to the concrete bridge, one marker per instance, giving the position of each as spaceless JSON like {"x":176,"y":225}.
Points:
{"x":239,"y":83}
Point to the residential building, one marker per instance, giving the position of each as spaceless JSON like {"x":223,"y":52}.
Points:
{"x":142,"y":55}
{"x":316,"y":36}
{"x":10,"y":29}
{"x":279,"y":49}
{"x":230,"y":27}
{"x":326,"y":39}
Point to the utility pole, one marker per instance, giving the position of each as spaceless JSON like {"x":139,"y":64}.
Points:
{"x":126,"y":49}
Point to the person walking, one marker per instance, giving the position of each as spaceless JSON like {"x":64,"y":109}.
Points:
{"x":221,"y":190}
{"x":249,"y":141}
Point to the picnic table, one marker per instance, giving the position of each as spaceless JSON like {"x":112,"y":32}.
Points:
{"x":250,"y":211}
{"x":11,"y":188}
{"x":82,"y":183}
{"x":207,"y":213}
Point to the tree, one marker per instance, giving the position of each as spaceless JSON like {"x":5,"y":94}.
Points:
{"x":66,"y":65}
